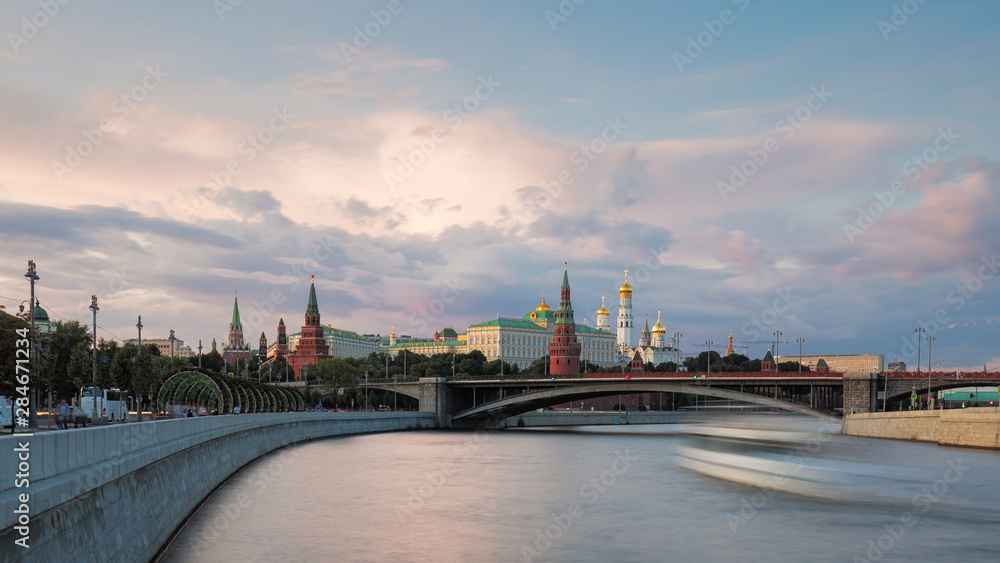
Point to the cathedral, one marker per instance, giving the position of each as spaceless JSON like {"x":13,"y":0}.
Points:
{"x":653,"y":346}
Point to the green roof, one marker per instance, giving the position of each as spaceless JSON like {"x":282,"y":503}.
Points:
{"x":236,"y":311}
{"x":539,"y":315}
{"x":510,"y":323}
{"x":448,"y":332}
{"x":414,"y":344}
{"x":591,"y":330}
{"x":312,"y":308}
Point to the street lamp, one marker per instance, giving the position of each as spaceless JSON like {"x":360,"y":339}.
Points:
{"x":138,"y":326}
{"x":172,"y":340}
{"x":93,"y":307}
{"x":678,"y":364}
{"x":709,"y":343}
{"x":199,"y":353}
{"x":919,"y":330}
{"x":800,"y":340}
{"x":32,"y":276}
{"x":930,"y":339}
{"x":366,"y":392}
{"x":777,"y":338}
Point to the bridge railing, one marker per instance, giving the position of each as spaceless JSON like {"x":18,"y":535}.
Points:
{"x":940,"y":375}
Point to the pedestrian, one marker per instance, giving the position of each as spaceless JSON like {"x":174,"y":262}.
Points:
{"x":236,"y":410}
{"x":61,"y":412}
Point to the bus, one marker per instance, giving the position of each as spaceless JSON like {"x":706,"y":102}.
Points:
{"x":110,"y":403}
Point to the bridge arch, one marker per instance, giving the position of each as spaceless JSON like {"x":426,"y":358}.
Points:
{"x":526,"y":402}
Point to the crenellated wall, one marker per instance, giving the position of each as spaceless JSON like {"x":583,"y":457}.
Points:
{"x":117,"y":493}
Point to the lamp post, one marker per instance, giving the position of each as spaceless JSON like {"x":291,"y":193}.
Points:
{"x":919,"y":330}
{"x":800,"y":340}
{"x":678,"y":364}
{"x":709,"y":343}
{"x":199,"y":353}
{"x":32,"y":276}
{"x":172,"y":340}
{"x":366,"y":392}
{"x":930,"y":339}
{"x":138,"y":326}
{"x":777,"y":339}
{"x":93,"y":307}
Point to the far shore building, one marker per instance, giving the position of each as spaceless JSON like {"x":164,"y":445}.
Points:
{"x":843,"y":363}
{"x":181,"y":350}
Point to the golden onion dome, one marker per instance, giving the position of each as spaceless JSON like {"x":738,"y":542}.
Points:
{"x":603,"y":310}
{"x":625,"y":288}
{"x":658,"y":328}
{"x":543,"y":307}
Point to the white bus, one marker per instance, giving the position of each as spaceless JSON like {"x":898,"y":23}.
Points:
{"x":110,"y":404}
{"x":5,"y":412}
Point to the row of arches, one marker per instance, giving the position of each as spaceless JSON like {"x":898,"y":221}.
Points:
{"x":222,"y":393}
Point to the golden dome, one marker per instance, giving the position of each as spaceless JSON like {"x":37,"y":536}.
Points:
{"x":658,"y":328}
{"x":543,"y":306}
{"x":625,"y":288}
{"x":603,"y":310}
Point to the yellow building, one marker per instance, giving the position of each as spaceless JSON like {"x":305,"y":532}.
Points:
{"x":844,"y":363}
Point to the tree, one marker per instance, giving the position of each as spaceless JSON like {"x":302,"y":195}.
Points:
{"x":11,"y":330}
{"x":335,"y":373}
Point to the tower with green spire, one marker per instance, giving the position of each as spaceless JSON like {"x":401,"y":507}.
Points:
{"x":236,"y":348}
{"x":312,"y":346}
{"x":564,"y":350}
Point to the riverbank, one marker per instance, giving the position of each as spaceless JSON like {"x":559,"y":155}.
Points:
{"x":976,"y":428}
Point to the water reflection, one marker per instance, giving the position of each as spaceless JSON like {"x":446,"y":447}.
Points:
{"x":599,"y":494}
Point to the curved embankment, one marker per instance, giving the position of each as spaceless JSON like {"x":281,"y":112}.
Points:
{"x":117,"y":493}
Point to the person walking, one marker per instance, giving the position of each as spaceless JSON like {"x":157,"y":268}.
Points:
{"x":62,"y":411}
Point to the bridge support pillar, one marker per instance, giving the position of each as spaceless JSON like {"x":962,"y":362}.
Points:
{"x":860,"y":392}
{"x":434,"y":397}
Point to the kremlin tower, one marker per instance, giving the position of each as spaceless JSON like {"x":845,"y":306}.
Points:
{"x":281,"y":348}
{"x":235,"y":348}
{"x":564,"y":350}
{"x":312,"y":346}
{"x":625,"y":315}
{"x":729,"y":349}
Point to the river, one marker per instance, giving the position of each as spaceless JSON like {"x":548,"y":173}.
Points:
{"x":609,"y":493}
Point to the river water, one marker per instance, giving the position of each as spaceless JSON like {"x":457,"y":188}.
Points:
{"x":611,"y":493}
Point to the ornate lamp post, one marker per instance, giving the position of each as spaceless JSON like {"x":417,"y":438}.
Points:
{"x":709,"y":344}
{"x":199,"y":353}
{"x":679,"y":358}
{"x":919,"y":330}
{"x":93,"y":307}
{"x":172,"y":340}
{"x":930,"y":339}
{"x":777,"y":340}
{"x":800,"y":340}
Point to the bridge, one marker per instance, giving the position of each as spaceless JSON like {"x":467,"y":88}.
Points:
{"x":475,"y":401}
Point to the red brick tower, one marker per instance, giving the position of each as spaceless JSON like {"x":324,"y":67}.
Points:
{"x":282,"y":348}
{"x":564,"y":350}
{"x":312,"y":346}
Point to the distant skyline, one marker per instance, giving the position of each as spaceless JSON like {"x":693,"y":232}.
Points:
{"x":830,"y":171}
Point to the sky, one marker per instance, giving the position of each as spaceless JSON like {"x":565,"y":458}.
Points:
{"x":827,"y":170}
